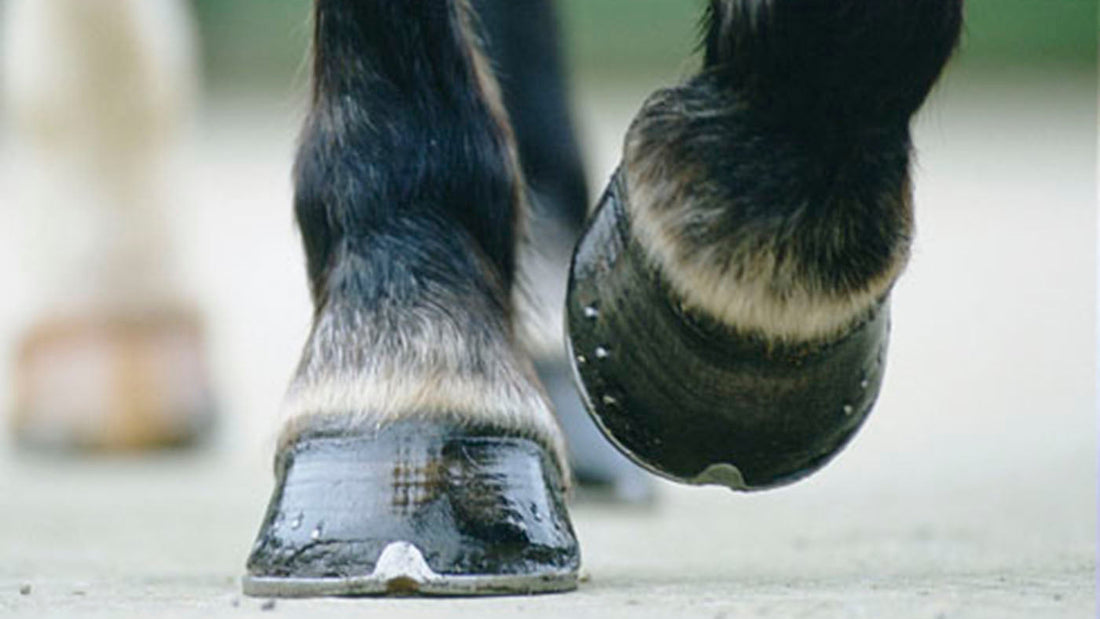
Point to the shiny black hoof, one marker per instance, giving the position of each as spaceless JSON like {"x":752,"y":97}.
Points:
{"x":422,"y":507}
{"x":694,"y":401}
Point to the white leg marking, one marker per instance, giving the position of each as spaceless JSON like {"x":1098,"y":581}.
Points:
{"x":370,"y":370}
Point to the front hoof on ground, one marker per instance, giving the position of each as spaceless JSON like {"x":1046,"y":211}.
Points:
{"x":693,"y":400}
{"x":423,"y":507}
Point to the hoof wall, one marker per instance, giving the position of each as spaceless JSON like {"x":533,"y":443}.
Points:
{"x":414,"y":509}
{"x":692,"y":400}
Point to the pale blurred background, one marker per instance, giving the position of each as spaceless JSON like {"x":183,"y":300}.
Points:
{"x":970,"y":492}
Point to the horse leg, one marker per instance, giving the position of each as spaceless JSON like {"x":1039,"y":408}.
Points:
{"x":522,"y":42}
{"x":97,"y":94}
{"x":728,"y":305}
{"x":419,"y":453}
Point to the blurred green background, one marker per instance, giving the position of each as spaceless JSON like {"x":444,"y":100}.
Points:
{"x":250,"y":43}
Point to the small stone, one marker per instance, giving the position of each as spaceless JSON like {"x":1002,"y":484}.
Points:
{"x":24,"y":589}
{"x":268,"y":604}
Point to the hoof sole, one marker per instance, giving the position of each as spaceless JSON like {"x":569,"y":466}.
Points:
{"x":415,"y":508}
{"x":692,"y":400}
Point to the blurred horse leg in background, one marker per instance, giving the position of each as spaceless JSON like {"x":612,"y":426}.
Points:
{"x":522,"y":40}
{"x":98,"y":94}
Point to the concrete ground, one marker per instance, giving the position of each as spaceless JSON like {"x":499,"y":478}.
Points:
{"x":970,"y":493}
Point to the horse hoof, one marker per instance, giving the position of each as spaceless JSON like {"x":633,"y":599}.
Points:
{"x":692,"y":400}
{"x":426,"y":508}
{"x":113,"y":383}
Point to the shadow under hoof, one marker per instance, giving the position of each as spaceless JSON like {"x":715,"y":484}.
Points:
{"x":601,"y":474}
{"x":692,"y":400}
{"x":429,"y":508}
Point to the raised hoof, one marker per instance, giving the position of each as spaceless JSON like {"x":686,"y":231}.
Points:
{"x":421,"y":507}
{"x":692,"y":400}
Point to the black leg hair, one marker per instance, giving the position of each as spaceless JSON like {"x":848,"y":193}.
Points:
{"x":521,"y":40}
{"x":404,"y":125}
{"x":826,"y":66}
